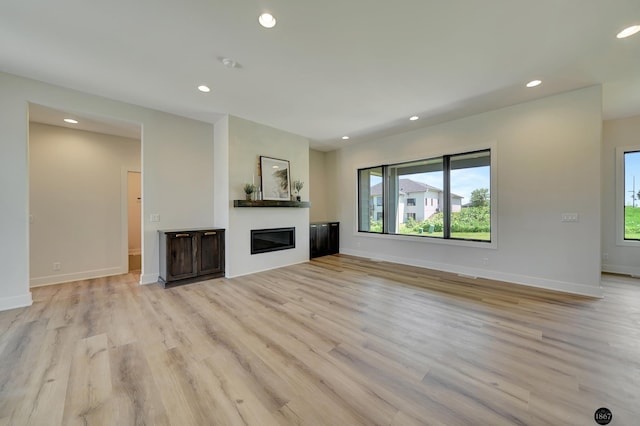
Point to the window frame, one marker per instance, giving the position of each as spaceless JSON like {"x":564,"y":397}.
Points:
{"x":493,"y":202}
{"x":620,"y":196}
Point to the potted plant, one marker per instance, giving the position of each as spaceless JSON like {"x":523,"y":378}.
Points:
{"x":249,"y":189}
{"x":297,"y":185}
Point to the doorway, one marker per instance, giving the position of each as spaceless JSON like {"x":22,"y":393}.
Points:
{"x":78,"y":196}
{"x":134,"y":206}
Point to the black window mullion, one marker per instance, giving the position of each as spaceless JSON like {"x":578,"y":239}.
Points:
{"x":446,"y":197}
{"x":389,"y":207}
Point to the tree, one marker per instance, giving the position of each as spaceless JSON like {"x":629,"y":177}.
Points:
{"x":480,"y":197}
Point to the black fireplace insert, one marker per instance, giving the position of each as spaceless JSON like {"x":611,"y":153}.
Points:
{"x":266,"y":240}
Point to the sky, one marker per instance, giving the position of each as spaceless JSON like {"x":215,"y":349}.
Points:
{"x":631,"y":170}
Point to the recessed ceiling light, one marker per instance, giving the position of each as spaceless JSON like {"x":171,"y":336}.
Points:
{"x":204,"y":89}
{"x":267,"y":20}
{"x":344,"y":138}
{"x":534,"y":83}
{"x":414,"y":118}
{"x":229,"y":63}
{"x":70,"y":121}
{"x":629,"y":31}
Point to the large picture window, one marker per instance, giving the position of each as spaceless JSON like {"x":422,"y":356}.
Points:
{"x":632,"y":195}
{"x":444,"y":197}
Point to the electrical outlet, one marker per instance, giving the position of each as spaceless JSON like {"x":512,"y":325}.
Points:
{"x":569,"y":217}
{"x":605,"y":256}
{"x":57,"y":266}
{"x":485,"y":261}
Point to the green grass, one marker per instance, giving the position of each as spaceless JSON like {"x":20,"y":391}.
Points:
{"x":632,"y":223}
{"x":483,"y":236}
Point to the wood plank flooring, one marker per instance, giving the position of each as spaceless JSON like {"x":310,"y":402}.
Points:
{"x":337,"y":341}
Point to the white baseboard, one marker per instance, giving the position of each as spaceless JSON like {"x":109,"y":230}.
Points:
{"x":76,"y":276}
{"x":148,"y":279}
{"x":14,"y":302}
{"x":563,"y":286}
{"x":621,"y":269}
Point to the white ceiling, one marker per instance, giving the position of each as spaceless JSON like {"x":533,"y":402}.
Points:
{"x":329,"y":68}
{"x":109,"y":126}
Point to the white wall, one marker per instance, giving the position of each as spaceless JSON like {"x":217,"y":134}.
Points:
{"x":318,"y":187}
{"x":247,"y":142}
{"x":548,"y":163}
{"x":76,"y":202}
{"x":178,"y":179}
{"x":622,"y":259}
{"x":221,"y":176}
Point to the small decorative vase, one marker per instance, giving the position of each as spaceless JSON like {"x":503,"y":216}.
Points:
{"x":248,"y":197}
{"x":298,"y":198}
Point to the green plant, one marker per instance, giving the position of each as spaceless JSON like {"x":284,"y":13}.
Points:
{"x":375,"y":226}
{"x":249,"y":188}
{"x":480,"y":197}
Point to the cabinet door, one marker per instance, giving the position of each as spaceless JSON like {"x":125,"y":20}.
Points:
{"x":333,"y":244}
{"x":313,"y":241}
{"x":181,"y":260}
{"x":323,"y":239}
{"x":211,"y":252}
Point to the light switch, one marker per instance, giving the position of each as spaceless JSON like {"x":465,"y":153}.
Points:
{"x":569,"y":217}
{"x":154,"y":217}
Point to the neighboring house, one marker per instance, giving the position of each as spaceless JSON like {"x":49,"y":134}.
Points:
{"x":415,"y":199}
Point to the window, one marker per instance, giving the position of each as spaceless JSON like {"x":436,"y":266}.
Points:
{"x":460,"y":184}
{"x":632,"y":196}
{"x":378,"y":201}
{"x":370,"y":185}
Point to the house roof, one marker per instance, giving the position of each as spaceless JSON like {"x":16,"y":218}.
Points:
{"x":408,"y":186}
{"x":329,"y":68}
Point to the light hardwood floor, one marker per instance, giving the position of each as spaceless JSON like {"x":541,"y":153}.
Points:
{"x":336,"y":341}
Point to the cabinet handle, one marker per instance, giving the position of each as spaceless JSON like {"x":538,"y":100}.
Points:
{"x":313,"y":226}
{"x":209,"y":233}
{"x":334,"y":224}
{"x":324,"y":226}
{"x":182,"y":235}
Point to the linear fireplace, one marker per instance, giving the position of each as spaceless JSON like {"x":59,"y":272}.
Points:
{"x":266,"y":240}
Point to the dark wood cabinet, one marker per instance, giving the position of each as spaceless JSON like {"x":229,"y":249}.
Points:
{"x":324,"y":238}
{"x":211,"y":252}
{"x":190,"y":255}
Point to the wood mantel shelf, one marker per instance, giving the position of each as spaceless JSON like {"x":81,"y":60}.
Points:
{"x":271,"y":203}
